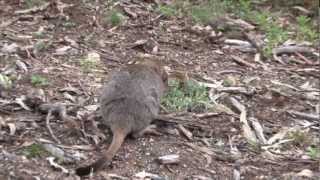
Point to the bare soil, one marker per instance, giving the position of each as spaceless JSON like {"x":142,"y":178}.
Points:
{"x":81,"y":26}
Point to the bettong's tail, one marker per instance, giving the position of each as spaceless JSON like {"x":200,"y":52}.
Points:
{"x":117,"y":140}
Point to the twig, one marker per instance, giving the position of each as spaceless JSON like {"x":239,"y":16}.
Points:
{"x":176,"y":120}
{"x":237,"y":42}
{"x":243,"y":62}
{"x":34,"y":9}
{"x":304,"y":58}
{"x":207,"y":115}
{"x":312,"y":117}
{"x":289,"y":50}
{"x":237,"y":90}
{"x":49,"y":127}
{"x":74,"y":147}
{"x":185,"y":132}
{"x":5,"y":111}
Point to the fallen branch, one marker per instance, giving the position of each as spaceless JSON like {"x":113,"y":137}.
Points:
{"x":312,"y":117}
{"x":304,"y":58}
{"x":34,"y":9}
{"x":291,"y":49}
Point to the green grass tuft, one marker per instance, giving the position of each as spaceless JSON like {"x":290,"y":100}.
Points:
{"x":33,"y":3}
{"x":300,"y":138}
{"x":314,"y":152}
{"x":207,"y":12}
{"x":34,"y":150}
{"x":274,"y":33}
{"x":167,"y":10}
{"x":305,"y":30}
{"x":114,"y":17}
{"x":190,"y":97}
{"x":38,"y":80}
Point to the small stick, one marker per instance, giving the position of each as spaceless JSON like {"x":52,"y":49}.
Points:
{"x":243,"y":62}
{"x":303,"y":58}
{"x":312,"y":117}
{"x":49,"y":127}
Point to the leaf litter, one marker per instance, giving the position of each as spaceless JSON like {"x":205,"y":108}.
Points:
{"x":258,"y":109}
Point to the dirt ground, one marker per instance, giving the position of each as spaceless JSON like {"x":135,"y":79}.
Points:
{"x":217,"y":149}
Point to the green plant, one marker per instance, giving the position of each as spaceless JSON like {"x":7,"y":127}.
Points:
{"x":274,"y":33}
{"x":40,"y":46}
{"x":167,"y":10}
{"x":305,"y":30}
{"x":275,"y":36}
{"x":33,"y":3}
{"x":313,"y":152}
{"x":114,"y":17}
{"x":191,"y":96}
{"x":240,"y":8}
{"x":69,"y":24}
{"x":38,"y":35}
{"x":87,"y":65}
{"x":181,"y":6}
{"x":34,"y":150}
{"x":208,"y":11}
{"x":300,"y":138}
{"x":38,"y":80}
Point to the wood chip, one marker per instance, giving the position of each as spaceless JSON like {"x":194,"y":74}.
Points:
{"x":237,"y":42}
{"x":169,"y":159}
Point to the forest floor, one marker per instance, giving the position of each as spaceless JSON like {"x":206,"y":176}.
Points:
{"x":258,"y":117}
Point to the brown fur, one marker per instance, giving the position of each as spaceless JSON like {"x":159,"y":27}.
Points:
{"x":130,"y":100}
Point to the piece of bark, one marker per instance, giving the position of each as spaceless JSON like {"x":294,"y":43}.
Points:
{"x":169,"y":159}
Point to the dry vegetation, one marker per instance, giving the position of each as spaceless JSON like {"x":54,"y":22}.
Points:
{"x":244,"y":103}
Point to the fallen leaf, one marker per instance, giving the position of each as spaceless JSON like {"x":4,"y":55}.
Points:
{"x":9,"y":48}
